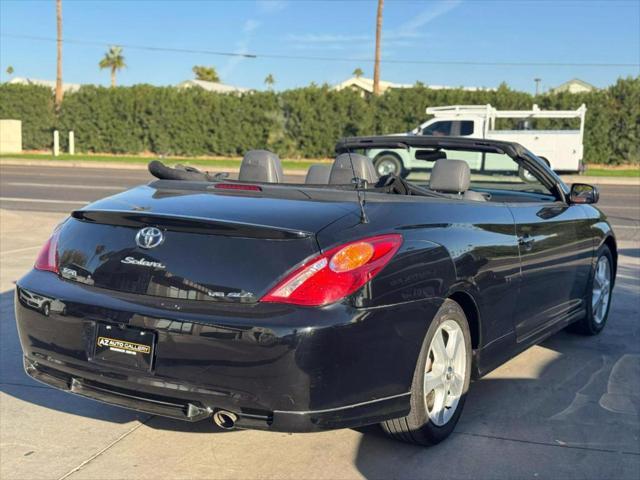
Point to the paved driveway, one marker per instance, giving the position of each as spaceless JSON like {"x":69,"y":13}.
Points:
{"x":569,"y":408}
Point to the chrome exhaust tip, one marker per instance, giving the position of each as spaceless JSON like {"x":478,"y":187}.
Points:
{"x":224,"y":419}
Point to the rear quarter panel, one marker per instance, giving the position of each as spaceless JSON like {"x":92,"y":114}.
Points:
{"x":449,"y":246}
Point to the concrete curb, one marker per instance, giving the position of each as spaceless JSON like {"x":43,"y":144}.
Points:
{"x":143,"y":166}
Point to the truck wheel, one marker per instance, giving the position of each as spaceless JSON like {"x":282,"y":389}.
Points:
{"x":440,"y":381}
{"x":387,"y":163}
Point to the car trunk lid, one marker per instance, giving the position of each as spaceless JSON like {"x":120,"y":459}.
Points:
{"x":217,"y":246}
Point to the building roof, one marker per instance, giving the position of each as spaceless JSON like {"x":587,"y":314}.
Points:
{"x":574,"y":81}
{"x":212,"y":86}
{"x":366,"y":84}
{"x":66,"y":87}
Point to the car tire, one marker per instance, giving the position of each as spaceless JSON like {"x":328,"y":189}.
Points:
{"x":598,"y":297}
{"x":387,"y":163}
{"x":426,"y":424}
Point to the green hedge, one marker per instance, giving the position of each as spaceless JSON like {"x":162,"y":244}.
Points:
{"x":304,"y":122}
{"x":34,"y":106}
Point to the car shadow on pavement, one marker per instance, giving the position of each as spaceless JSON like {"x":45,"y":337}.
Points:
{"x":16,"y":383}
{"x":570,"y":422}
{"x":572,"y":391}
{"x":568,"y":408}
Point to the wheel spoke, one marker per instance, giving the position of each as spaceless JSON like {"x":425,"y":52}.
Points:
{"x":600,"y":271}
{"x":457,"y":384}
{"x":438,"y":348}
{"x":432,"y":381}
{"x":598,"y":313}
{"x":439,"y":405}
{"x":595,"y":298}
{"x":452,"y":344}
{"x":596,"y":281}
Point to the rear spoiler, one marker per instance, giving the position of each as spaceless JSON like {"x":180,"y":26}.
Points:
{"x":188,"y":224}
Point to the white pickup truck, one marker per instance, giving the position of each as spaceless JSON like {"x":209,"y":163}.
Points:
{"x":561,"y":149}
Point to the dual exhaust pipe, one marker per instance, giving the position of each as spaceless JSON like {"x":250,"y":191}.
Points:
{"x":225,"y":420}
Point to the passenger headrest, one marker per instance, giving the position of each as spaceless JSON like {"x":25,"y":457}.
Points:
{"x":318,"y":174}
{"x":342,"y":172}
{"x":261,"y":166}
{"x":450,"y":176}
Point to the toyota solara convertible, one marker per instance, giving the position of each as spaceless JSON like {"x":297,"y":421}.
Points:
{"x":344,"y":301}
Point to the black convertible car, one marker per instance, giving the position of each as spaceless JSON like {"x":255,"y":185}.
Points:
{"x":345,"y":301}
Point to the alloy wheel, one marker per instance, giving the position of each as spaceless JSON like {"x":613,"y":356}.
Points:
{"x":445,"y":372}
{"x":601,"y":290}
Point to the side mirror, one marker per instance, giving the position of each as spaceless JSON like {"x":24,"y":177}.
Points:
{"x":583,"y":193}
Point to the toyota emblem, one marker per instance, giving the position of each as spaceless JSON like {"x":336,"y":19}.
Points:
{"x":149,"y":237}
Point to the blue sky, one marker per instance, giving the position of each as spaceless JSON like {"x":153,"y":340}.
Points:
{"x":575,"y":31}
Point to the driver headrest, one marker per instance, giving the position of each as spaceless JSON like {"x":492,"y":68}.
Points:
{"x":450,"y":176}
{"x":343,"y":173}
{"x":261,"y":166}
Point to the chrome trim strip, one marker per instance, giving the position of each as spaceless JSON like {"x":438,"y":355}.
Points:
{"x":353,"y":405}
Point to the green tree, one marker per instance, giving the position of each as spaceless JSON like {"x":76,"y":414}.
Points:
{"x":9,"y":70}
{"x":302,"y":122}
{"x":208,"y":74}
{"x":114,"y":60}
{"x":269,"y":81}
{"x":357,"y":72}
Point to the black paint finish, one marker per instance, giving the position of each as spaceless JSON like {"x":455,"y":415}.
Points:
{"x":522,"y":269}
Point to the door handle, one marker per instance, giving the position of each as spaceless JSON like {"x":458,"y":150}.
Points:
{"x":526,"y":242}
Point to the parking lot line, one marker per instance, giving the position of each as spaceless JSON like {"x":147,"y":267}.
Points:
{"x":18,"y":250}
{"x":69,"y":186}
{"x":42,"y":200}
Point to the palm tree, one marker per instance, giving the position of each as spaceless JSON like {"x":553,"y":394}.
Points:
{"x":269,"y":81}
{"x":357,"y":72}
{"x":208,"y":74}
{"x":376,"y":65}
{"x":114,"y":60}
{"x":59,"y":93}
{"x":9,"y":70}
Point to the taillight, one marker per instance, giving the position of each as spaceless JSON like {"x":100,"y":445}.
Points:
{"x":48,"y":256}
{"x":336,"y":273}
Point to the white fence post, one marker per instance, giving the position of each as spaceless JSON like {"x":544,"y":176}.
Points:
{"x":72,"y":143}
{"x":56,"y":143}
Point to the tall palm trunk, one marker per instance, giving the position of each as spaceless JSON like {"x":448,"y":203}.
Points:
{"x":376,"y":66}
{"x":113,"y":77}
{"x":59,"y":93}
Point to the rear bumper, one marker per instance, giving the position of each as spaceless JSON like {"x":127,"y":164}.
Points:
{"x":277,"y":367}
{"x":181,"y":409}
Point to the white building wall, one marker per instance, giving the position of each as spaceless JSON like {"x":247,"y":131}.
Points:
{"x":10,"y":136}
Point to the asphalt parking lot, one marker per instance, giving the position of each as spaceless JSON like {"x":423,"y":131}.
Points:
{"x":569,"y":408}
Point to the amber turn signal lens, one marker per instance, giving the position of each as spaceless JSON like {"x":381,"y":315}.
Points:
{"x":351,"y":257}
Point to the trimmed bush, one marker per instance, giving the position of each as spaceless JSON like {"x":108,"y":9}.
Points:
{"x":34,"y":106}
{"x":304,"y":122}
